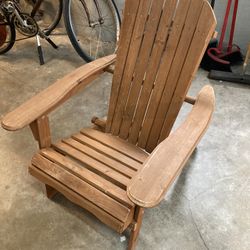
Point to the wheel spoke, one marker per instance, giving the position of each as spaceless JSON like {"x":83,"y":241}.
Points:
{"x":96,"y":41}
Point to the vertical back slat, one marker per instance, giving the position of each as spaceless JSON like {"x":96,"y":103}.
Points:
{"x":136,"y":41}
{"x":130,"y":14}
{"x":161,"y":45}
{"x":174,"y":73}
{"x":140,"y":67}
{"x":163,"y":72}
{"x":203,"y":33}
{"x":161,"y":42}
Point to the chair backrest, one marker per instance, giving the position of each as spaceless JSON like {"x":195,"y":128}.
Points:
{"x":161,"y":45}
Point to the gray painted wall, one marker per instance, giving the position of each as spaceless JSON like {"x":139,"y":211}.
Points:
{"x":242,"y":32}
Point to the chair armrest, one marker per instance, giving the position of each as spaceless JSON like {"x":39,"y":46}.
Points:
{"x":56,"y":94}
{"x":148,"y":187}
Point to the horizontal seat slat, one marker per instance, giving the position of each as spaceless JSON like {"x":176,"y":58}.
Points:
{"x":117,"y":144}
{"x":84,"y":189}
{"x":119,"y":167}
{"x":92,"y":178}
{"x":77,"y":199}
{"x":93,"y":165}
{"x":107,"y":151}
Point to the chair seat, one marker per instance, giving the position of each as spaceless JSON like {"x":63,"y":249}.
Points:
{"x":92,"y":169}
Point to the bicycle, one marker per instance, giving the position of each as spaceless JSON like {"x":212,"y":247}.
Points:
{"x":28,"y":24}
{"x":93,"y":27}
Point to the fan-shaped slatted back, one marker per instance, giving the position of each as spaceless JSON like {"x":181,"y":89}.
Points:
{"x":161,"y":45}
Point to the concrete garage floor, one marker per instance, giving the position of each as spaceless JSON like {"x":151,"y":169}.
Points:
{"x":208,"y":206}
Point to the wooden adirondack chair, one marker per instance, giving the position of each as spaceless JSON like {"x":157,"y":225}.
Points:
{"x":128,"y":162}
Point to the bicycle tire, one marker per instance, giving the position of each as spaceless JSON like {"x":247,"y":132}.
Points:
{"x":117,"y":11}
{"x":57,"y":18}
{"x":7,"y":33}
{"x":83,"y":42}
{"x":47,"y":16}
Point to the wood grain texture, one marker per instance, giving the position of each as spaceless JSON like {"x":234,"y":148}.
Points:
{"x":41,"y":131}
{"x":136,"y":227}
{"x":115,"y":143}
{"x":200,"y":40}
{"x":168,"y":56}
{"x":136,"y":41}
{"x":149,"y":61}
{"x":162,"y":56}
{"x":79,"y":200}
{"x":130,"y":14}
{"x":100,"y":157}
{"x":88,"y":176}
{"x":100,"y":123}
{"x":172,"y":79}
{"x":95,"y":166}
{"x":113,"y":174}
{"x":190,"y":100}
{"x":56,"y":94}
{"x":110,"y":152}
{"x":49,"y":191}
{"x":149,"y":186}
{"x":137,"y":68}
{"x":85,"y":189}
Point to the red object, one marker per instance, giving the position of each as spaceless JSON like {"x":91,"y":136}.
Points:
{"x":217,"y":54}
{"x":230,"y":44}
{"x":3,"y":34}
{"x":224,"y":27}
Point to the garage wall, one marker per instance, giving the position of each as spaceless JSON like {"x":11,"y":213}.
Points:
{"x":242,"y":32}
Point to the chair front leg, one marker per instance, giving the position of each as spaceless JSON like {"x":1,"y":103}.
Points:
{"x":41,"y":132}
{"x":139,"y":211}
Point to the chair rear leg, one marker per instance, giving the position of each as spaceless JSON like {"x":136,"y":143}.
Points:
{"x":135,"y":228}
{"x":49,"y":191}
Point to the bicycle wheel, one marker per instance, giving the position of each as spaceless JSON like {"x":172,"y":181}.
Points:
{"x":93,"y":34}
{"x":47,"y":16}
{"x":7,"y":34}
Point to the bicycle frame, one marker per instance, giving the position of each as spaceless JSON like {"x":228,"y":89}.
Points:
{"x":13,"y":15}
{"x":9,"y":10}
{"x":17,"y":7}
{"x":38,"y":3}
{"x":36,"y":7}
